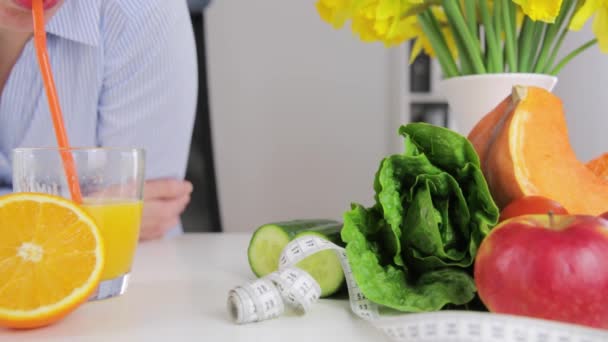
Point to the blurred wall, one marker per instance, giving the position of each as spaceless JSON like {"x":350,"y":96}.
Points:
{"x":583,"y":86}
{"x":299,"y":112}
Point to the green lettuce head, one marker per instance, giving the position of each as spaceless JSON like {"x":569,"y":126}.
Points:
{"x":414,"y":249}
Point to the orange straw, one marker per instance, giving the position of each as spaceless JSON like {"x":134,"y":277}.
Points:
{"x":51,"y":93}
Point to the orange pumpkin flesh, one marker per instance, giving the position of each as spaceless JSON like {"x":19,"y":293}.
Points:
{"x":526,"y":151}
{"x":599,"y":166}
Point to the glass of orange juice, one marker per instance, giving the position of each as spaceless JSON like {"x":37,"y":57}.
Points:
{"x":111,"y":183}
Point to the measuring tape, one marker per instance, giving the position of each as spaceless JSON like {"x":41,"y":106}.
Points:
{"x":291,"y":287}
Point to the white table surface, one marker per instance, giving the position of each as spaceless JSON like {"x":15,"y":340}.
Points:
{"x":178,"y":292}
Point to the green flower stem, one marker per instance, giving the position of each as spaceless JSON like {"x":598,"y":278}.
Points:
{"x":560,"y":41}
{"x":556,"y":48}
{"x":466,"y":66}
{"x":551,"y":31}
{"x":541,"y":61}
{"x":448,"y":66}
{"x":498,"y":29}
{"x":494,"y":61}
{"x":526,"y":39}
{"x":513,"y":17}
{"x":536,"y":44}
{"x":524,"y":33}
{"x":454,"y":14}
{"x":510,"y":44}
{"x":541,"y":29}
{"x":471,"y":17}
{"x":572,"y":55}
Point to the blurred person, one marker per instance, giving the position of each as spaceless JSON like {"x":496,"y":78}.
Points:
{"x":126,"y":75}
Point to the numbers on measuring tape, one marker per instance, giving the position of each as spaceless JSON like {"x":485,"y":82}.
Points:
{"x":266,"y":297}
{"x":474,"y":329}
{"x":414,"y":331}
{"x":497,"y":332}
{"x":482,"y":327}
{"x":430,"y":330}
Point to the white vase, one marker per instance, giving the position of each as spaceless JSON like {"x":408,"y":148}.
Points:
{"x":472,"y":97}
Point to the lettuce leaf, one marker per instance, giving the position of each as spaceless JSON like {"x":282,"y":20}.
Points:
{"x":414,"y":249}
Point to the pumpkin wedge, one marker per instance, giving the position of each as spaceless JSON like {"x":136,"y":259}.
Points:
{"x":525,"y":150}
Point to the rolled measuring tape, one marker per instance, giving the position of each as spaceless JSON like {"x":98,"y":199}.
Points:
{"x":291,"y":287}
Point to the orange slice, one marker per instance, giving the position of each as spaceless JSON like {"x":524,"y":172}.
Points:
{"x":51,"y":259}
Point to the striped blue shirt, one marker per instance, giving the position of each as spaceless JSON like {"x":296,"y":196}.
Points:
{"x":126,"y":75}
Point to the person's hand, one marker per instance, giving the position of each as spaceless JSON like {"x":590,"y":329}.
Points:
{"x":164,"y":201}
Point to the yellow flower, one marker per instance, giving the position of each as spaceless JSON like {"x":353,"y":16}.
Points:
{"x":335,"y":12}
{"x":543,"y":10}
{"x":600,"y":22}
{"x":389,"y":21}
{"x":385,"y":20}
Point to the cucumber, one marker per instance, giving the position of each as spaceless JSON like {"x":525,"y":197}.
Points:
{"x":269,"y":240}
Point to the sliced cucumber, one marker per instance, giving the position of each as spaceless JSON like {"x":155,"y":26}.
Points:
{"x":324,"y":266}
{"x":268,"y":242}
{"x":265,"y":248}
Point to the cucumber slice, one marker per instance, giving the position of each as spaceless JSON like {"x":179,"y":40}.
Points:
{"x":325,"y":267}
{"x":269,"y":240}
{"x":265,"y":248}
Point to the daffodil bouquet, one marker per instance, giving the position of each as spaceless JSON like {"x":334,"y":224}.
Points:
{"x":475,"y":36}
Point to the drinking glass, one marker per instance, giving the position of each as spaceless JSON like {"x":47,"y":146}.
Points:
{"x":111,"y":183}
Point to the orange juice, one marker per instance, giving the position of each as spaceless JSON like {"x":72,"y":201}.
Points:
{"x":119,"y":223}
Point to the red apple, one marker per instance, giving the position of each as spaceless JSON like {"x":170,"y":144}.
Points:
{"x":529,"y":205}
{"x":546,"y":266}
